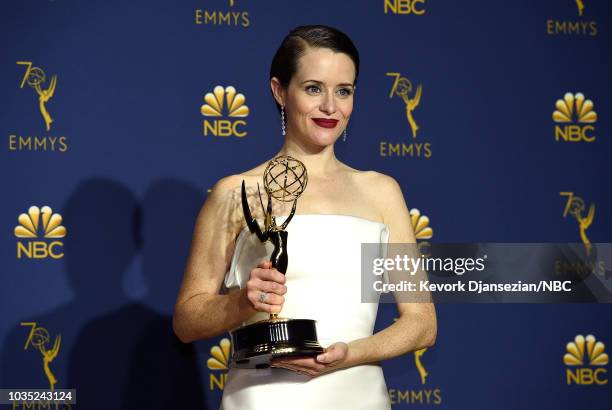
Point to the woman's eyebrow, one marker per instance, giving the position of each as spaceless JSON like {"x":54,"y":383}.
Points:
{"x":319,"y":82}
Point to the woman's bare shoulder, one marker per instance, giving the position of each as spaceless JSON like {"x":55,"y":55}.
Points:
{"x":225,"y":198}
{"x":376,"y":182}
{"x":231,"y":184}
{"x":381,"y":190}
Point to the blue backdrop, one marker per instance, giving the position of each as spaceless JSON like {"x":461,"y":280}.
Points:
{"x":102,"y":123}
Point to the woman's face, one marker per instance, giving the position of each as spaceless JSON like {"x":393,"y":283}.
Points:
{"x":319,"y":99}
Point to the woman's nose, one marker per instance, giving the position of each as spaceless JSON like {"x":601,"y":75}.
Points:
{"x":328,"y":105}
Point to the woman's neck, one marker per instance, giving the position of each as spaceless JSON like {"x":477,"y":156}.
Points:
{"x":319,"y":161}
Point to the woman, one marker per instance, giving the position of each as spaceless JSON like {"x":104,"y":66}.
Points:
{"x":313,"y":77}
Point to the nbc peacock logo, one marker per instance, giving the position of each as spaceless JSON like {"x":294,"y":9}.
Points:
{"x":575,"y":116}
{"x":218,"y":363}
{"x":422,"y":230}
{"x":224,"y":102}
{"x":420,"y":224}
{"x":40,"y":223}
{"x":586,"y":360}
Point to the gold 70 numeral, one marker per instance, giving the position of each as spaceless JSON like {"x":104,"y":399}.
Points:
{"x":27,"y":73}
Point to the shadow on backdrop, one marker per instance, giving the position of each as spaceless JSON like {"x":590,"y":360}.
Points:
{"x":130,"y":358}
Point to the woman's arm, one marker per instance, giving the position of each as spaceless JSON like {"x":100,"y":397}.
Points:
{"x":200,"y":312}
{"x":416,"y":327}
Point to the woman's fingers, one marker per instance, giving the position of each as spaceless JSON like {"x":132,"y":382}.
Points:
{"x":333,"y":353}
{"x":270,"y":298}
{"x":266,"y":307}
{"x":307,"y":363}
{"x":294,"y":368}
{"x":271,"y":275}
{"x":273,"y":303}
{"x":269,"y":286}
{"x":267,"y":282}
{"x":315,"y":366}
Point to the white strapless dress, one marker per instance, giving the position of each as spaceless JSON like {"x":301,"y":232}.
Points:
{"x":323,"y":282}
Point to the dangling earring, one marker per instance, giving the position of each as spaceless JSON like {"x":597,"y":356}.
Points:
{"x":283,"y":119}
{"x":344,"y":136}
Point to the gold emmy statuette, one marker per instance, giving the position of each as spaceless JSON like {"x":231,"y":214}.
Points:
{"x":255,"y":345}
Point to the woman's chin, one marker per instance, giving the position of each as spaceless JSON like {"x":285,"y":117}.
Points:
{"x":323,"y":139}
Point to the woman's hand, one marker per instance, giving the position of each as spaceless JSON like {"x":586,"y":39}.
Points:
{"x":266,"y":279}
{"x":334,"y":358}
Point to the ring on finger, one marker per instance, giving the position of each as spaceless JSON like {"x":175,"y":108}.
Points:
{"x":263,"y":296}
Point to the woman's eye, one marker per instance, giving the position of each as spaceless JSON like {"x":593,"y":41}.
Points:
{"x":345,"y":92}
{"x":342,"y":92}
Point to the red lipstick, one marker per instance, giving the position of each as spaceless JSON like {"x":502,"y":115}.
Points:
{"x":325,"y":122}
